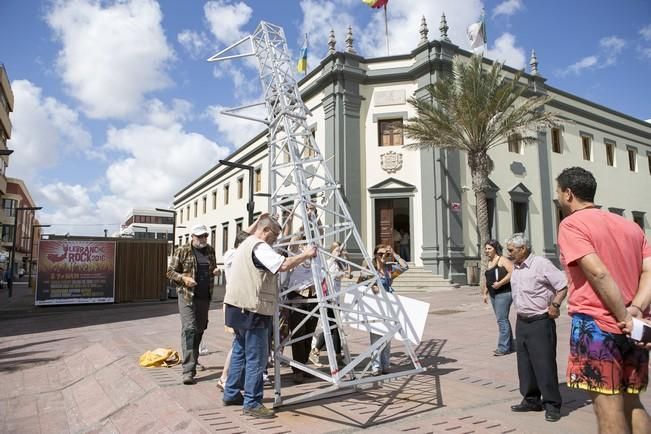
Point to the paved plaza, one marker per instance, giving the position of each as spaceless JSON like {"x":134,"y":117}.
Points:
{"x":75,"y":369}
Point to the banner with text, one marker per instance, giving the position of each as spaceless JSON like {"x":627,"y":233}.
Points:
{"x":73,"y":272}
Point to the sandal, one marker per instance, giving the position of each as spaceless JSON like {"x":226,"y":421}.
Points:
{"x":220,"y":384}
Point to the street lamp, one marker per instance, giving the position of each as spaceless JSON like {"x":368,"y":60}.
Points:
{"x":251,"y":204}
{"x":13,"y":247}
{"x":31,"y":251}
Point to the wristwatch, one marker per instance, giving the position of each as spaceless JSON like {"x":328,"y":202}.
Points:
{"x":556,"y":305}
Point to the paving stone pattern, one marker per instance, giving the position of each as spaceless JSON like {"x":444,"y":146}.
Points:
{"x":75,"y":370}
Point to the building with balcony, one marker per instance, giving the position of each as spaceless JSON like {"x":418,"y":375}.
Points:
{"x":358,"y":106}
{"x":147,"y":223}
{"x":6,"y":107}
{"x":16,"y":222}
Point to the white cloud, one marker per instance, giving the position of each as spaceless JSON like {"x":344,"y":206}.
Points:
{"x":585,"y":63}
{"x":154,"y":162}
{"x":246,"y":84}
{"x":505,"y":50}
{"x":507,"y":7}
{"x":645,"y":32}
{"x":44,"y":131}
{"x":611,"y":47}
{"x":235,"y":130}
{"x":195,"y":43}
{"x":160,"y":115}
{"x":111,"y":55}
{"x":226,"y":20}
{"x":645,"y":52}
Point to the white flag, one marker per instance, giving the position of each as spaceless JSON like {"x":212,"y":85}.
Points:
{"x":477,"y":34}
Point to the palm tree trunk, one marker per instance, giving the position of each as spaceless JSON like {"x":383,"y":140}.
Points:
{"x":479,"y":182}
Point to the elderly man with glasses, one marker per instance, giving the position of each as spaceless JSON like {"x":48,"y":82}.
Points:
{"x":250,"y":302}
{"x":192,"y":268}
{"x":538,"y":289}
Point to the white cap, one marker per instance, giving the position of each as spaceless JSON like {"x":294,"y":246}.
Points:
{"x":198,"y":230}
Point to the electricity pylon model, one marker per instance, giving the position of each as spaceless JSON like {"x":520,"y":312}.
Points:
{"x":311,"y":211}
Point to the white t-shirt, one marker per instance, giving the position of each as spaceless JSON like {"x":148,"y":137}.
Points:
{"x":268,"y":257}
{"x":228,"y":261}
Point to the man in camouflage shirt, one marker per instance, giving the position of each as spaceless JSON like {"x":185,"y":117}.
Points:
{"x":192,"y":268}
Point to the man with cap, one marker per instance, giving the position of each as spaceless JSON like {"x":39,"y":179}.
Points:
{"x":192,"y":268}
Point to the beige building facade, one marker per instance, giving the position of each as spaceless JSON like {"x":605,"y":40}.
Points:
{"x":358,"y":107}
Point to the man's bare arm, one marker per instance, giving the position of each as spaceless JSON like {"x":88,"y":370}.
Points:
{"x":602,"y":282}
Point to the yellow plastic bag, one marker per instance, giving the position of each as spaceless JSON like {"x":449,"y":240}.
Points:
{"x":160,"y":358}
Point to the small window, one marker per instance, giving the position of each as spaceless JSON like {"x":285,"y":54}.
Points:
{"x":610,"y":154}
{"x":258,"y":180}
{"x":515,"y":143}
{"x":240,"y":188}
{"x":214,"y":199}
{"x":586,"y":144}
{"x":204,"y":203}
{"x":181,"y":216}
{"x":556,"y":140}
{"x":632,"y":159}
{"x":390,"y":132}
{"x":238,"y":227}
{"x":648,"y":158}
{"x":638,"y":218}
{"x":224,"y":237}
{"x":196,"y":208}
{"x":213,"y":236}
{"x":618,"y":211}
{"x":520,"y":210}
{"x":188,"y":213}
{"x":226,"y":194}
{"x":490,"y":208}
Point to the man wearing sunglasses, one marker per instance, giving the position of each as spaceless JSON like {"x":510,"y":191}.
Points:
{"x":192,"y":268}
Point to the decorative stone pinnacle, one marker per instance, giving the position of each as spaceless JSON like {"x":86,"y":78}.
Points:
{"x":349,"y":41}
{"x":444,"y":29}
{"x":332,"y":42}
{"x":533,"y":62}
{"x":424,"y":31}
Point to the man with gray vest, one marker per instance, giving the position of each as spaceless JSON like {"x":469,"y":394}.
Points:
{"x":250,"y":302}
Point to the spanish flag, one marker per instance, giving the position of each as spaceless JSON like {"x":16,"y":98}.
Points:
{"x":376,"y":4}
{"x":302,"y":61}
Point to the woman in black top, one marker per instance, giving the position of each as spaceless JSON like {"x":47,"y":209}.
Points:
{"x":498,"y":286}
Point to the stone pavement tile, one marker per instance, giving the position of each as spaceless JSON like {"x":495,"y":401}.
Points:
{"x":73,"y":414}
{"x":22,"y":406}
{"x":12,"y":384}
{"x":35,"y":380}
{"x":134,"y":418}
{"x":50,"y":402}
{"x":59,"y":375}
{"x":4,"y":405}
{"x":99,"y":356}
{"x":54,"y":422}
{"x":166,"y":408}
{"x":79,"y":366}
{"x":22,"y":425}
{"x":92,"y":401}
{"x":117,"y":384}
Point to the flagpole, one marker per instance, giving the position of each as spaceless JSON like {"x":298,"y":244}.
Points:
{"x":305,"y":72}
{"x":386,"y":28}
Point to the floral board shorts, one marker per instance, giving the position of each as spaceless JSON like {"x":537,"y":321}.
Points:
{"x":604,"y":362}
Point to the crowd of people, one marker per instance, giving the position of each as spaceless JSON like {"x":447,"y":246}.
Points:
{"x":606,"y":263}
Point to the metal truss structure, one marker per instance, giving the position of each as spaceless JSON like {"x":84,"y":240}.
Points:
{"x":303,"y":195}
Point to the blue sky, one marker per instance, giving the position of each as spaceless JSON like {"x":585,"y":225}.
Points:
{"x":117,"y":108}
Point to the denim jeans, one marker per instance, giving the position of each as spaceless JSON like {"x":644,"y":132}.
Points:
{"x":380,"y":361}
{"x":501,"y":306}
{"x":248,"y":362}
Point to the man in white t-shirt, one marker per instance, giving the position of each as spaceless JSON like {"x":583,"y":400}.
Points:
{"x":250,"y":302}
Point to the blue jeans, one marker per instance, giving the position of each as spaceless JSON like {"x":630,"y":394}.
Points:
{"x":380,"y":361}
{"x":501,"y":306}
{"x":248,"y":362}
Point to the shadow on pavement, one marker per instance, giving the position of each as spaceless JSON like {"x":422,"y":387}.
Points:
{"x":573,"y":399}
{"x":13,"y":360}
{"x":390,"y":400}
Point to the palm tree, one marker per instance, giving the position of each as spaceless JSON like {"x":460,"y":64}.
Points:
{"x":474,"y":110}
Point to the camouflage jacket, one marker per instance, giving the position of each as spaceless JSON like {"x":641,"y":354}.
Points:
{"x":184,"y":263}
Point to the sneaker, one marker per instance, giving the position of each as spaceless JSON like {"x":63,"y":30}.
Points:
{"x":376,"y":372}
{"x":315,"y":359}
{"x":188,"y":379}
{"x":221,"y":384}
{"x":200,"y":367}
{"x":260,"y":412}
{"x":266,"y":381}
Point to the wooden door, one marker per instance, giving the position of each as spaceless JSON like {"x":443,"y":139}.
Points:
{"x":384,"y":221}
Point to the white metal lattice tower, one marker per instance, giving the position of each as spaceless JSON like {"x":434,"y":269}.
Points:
{"x":300,"y":180}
